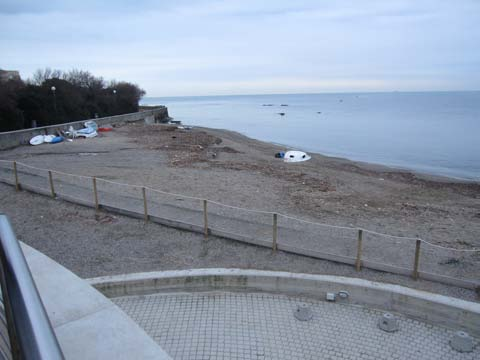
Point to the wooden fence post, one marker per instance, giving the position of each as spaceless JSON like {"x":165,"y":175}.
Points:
{"x":205,"y":219}
{"x":417,"y":259}
{"x":275,"y":233}
{"x":145,"y":209}
{"x":50,"y":178}
{"x":358,"y":263}
{"x":17,"y":185}
{"x":94,"y":179}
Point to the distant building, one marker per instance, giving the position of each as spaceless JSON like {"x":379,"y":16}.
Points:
{"x":6,"y":75}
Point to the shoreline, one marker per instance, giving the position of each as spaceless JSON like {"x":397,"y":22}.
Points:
{"x":369,"y":166}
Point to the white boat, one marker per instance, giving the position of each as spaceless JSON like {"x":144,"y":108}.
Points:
{"x":37,"y":140}
{"x":296,"y":156}
{"x":48,"y":138}
{"x":89,"y":135}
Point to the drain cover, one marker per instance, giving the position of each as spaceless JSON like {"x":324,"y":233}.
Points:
{"x":303,"y":312}
{"x":388,"y":323}
{"x":462,"y":342}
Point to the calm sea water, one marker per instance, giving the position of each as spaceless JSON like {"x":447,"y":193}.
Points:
{"x":436,"y":133}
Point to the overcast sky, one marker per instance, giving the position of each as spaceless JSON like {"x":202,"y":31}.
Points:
{"x":182,"y":47}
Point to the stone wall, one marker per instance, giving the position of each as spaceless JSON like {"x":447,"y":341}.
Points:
{"x":11,"y":139}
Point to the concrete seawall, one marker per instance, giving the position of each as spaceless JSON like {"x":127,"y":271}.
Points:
{"x":11,"y":139}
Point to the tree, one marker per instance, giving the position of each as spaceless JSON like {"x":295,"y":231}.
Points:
{"x":78,"y":95}
{"x":42,"y":75}
{"x":11,"y":117}
{"x":127,"y":97}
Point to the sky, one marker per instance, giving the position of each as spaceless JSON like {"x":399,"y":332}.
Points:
{"x":206,"y":47}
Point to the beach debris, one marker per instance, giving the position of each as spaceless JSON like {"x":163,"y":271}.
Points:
{"x":450,"y":261}
{"x":280,"y":155}
{"x":105,"y":219}
{"x":37,"y":140}
{"x":281,"y":113}
{"x":296,"y":156}
{"x":71,"y":132}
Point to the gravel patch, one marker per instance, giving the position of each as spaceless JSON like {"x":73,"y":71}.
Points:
{"x":102,"y":244}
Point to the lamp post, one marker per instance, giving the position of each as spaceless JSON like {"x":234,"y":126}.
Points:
{"x":53,"y":88}
{"x":114,"y":101}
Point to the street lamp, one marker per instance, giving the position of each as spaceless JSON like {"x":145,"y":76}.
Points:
{"x":53,"y":88}
{"x":114,"y":101}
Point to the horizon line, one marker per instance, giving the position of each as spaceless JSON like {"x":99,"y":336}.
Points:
{"x":317,"y":93}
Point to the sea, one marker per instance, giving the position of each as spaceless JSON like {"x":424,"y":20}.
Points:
{"x":435,"y":133}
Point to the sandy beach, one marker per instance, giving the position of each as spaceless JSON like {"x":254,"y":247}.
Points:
{"x":230,"y":168}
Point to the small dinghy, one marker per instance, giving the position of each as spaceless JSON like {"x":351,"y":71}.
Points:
{"x":56,"y":140}
{"x":48,"y":138}
{"x":88,"y":135}
{"x":86,"y":131}
{"x":296,"y":156}
{"x":37,"y":140}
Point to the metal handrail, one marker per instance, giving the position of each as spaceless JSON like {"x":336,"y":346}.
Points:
{"x":30,"y":331}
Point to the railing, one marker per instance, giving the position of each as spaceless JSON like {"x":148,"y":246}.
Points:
{"x":29,"y":330}
{"x":362,"y":248}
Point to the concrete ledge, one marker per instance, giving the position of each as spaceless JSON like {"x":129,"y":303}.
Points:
{"x":86,"y":323}
{"x":421,"y":305}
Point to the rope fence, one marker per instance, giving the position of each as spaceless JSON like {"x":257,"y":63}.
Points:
{"x":359,"y":247}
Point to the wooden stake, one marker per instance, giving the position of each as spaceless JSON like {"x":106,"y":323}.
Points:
{"x":52,"y":189}
{"x":17,"y":185}
{"x":417,"y":259}
{"x":145,"y":209}
{"x":275,"y":233}
{"x":94,"y":179}
{"x":358,"y":263}
{"x":205,"y":219}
